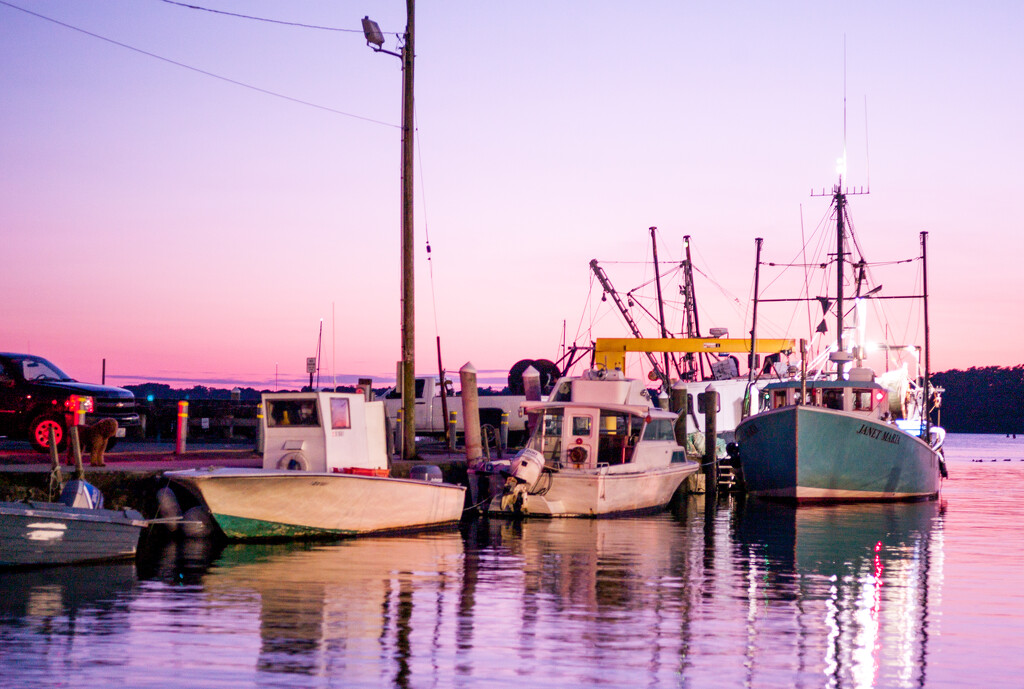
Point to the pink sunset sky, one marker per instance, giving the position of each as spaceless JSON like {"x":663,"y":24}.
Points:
{"x":188,"y":198}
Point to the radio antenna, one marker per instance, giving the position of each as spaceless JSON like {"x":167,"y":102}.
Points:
{"x":867,"y":151}
{"x":844,"y":107}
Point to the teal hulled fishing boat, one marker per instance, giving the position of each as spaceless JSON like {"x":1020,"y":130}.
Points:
{"x":839,"y":433}
{"x":839,"y":445}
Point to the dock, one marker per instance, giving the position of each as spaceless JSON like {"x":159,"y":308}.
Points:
{"x":134,"y":470}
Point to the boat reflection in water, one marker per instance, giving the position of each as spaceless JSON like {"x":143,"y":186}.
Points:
{"x":493,"y":602}
{"x":66,"y":594}
{"x":848,"y":588}
{"x":758,"y":594}
{"x":338,"y":609}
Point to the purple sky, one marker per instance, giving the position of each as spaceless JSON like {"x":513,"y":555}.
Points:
{"x":192,"y":230}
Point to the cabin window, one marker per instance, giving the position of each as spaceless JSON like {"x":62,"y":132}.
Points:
{"x":292,"y":413}
{"x":778,"y":399}
{"x":340,"y":415}
{"x":563,"y":393}
{"x":832,"y":398}
{"x":660,"y":429}
{"x":617,"y":437}
{"x":553,"y":424}
{"x":581,"y":425}
{"x":547,"y":440}
{"x":613,"y":424}
{"x":862,"y":400}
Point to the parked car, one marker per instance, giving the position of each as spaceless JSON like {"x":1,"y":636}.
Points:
{"x":36,"y":396}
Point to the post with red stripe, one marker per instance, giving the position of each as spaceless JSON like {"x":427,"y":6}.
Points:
{"x":179,"y":445}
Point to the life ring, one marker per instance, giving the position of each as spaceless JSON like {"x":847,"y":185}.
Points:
{"x":578,"y":454}
{"x":293,"y":461}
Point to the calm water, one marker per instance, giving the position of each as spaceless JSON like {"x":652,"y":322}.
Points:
{"x":736,"y":595}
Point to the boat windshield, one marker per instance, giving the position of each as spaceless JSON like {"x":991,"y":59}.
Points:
{"x":612,"y":434}
{"x":547,"y":439}
{"x":293,"y":412}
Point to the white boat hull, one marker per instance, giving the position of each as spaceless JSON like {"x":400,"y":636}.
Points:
{"x":260,"y":504}
{"x":598,"y":493}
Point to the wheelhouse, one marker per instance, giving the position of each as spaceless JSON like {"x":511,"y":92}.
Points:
{"x":865,"y":397}
{"x":573,"y":436}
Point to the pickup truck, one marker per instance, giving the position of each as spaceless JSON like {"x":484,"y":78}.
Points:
{"x":430,"y":419}
{"x":36,"y":396}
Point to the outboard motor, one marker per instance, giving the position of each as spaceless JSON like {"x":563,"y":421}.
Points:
{"x":80,"y":493}
{"x":522,"y":477}
{"x":938,"y":437}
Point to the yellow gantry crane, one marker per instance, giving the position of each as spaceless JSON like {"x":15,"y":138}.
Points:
{"x":610,"y":352}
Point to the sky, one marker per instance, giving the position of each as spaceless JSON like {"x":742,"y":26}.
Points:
{"x":187,"y":195}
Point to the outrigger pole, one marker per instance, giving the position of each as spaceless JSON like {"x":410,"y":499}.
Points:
{"x":753,"y":330}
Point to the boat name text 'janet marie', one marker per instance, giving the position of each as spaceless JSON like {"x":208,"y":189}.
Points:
{"x":878,"y":433}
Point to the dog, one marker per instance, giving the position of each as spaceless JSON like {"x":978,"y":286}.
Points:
{"x":94,"y":438}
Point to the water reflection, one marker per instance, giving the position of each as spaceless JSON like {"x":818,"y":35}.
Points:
{"x":56,"y":597}
{"x":848,"y":587}
{"x":580,"y":602}
{"x":731,"y":593}
{"x":338,"y":610}
{"x":44,"y":613}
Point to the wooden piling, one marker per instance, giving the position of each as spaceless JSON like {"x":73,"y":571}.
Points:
{"x":679,"y":402}
{"x":470,"y":413}
{"x":711,"y":438}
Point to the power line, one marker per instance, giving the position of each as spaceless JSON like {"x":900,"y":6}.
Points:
{"x":197,"y":70}
{"x":260,"y":19}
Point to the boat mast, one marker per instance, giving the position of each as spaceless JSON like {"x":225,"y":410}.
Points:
{"x":690,"y":313}
{"x":753,"y":330}
{"x":927,"y":343}
{"x":661,"y":303}
{"x":840,"y":198}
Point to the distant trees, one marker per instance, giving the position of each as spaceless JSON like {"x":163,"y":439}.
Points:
{"x":978,"y":400}
{"x":982,"y":400}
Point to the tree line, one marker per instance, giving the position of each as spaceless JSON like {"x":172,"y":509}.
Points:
{"x":982,"y":400}
{"x":989,"y":399}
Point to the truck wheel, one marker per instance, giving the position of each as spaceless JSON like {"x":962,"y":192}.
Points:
{"x":39,"y":433}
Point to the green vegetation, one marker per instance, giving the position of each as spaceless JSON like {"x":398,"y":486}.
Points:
{"x":982,"y":400}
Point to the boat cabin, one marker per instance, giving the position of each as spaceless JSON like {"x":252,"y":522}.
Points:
{"x":601,"y":386}
{"x":579,"y":436}
{"x":859,"y":396}
{"x":324,"y":432}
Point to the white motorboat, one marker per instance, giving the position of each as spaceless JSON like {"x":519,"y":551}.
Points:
{"x":597,"y":448}
{"x":325,"y":473}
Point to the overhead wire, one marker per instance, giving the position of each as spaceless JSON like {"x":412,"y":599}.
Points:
{"x":197,"y":69}
{"x":259,"y":19}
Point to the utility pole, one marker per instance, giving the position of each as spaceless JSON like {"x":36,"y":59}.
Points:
{"x":408,"y":368}
{"x":408,"y":283}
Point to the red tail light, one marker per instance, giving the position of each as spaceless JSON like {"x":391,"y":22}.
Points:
{"x":82,"y":403}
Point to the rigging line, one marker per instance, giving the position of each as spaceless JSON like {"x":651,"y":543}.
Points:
{"x":426,"y":224}
{"x":666,"y":274}
{"x":196,"y":69}
{"x":587,"y":309}
{"x":259,"y":19}
{"x":807,"y":277}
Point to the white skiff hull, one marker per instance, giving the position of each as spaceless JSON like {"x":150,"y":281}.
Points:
{"x":255,"y":503}
{"x":599,"y":493}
